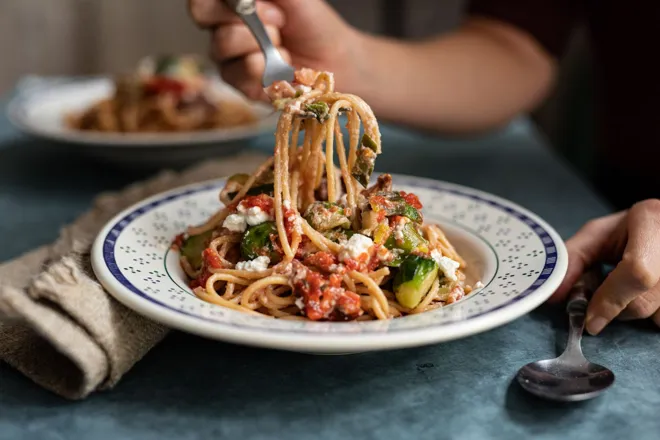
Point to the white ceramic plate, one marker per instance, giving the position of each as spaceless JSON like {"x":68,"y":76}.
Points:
{"x":40,"y":112}
{"x":520,"y":259}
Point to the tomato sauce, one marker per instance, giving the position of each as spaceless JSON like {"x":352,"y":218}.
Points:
{"x":411,"y":199}
{"x":212,"y":259}
{"x":395,"y":219}
{"x":263,"y":201}
{"x":289,"y":221}
{"x":317,"y":305}
{"x":161,"y":84}
{"x":379,"y":202}
{"x":201,"y":280}
{"x":305,"y":76}
{"x":352,"y":264}
{"x":178,"y":242}
{"x":348,"y":307}
{"x":374,"y":261}
{"x":322,"y":260}
{"x":325,"y":299}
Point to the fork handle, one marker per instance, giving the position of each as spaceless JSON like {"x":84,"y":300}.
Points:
{"x":242,"y":7}
{"x":247,"y":11}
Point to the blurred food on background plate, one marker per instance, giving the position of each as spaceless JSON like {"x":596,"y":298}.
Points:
{"x":164,"y":94}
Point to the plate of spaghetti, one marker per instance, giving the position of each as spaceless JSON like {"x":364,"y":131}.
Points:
{"x":167,"y":101}
{"x":315,"y":252}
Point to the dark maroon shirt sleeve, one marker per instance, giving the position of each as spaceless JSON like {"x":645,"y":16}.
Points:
{"x":550,"y":22}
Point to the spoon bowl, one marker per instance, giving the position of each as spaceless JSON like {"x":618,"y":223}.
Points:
{"x":555,"y":379}
{"x":570,"y":377}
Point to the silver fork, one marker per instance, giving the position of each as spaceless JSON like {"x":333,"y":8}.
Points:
{"x":276,"y":68}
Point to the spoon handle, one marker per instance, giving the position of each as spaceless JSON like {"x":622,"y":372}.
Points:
{"x":577,"y":309}
{"x":578,"y":297}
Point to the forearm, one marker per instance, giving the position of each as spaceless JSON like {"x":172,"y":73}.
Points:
{"x":474,"y":79}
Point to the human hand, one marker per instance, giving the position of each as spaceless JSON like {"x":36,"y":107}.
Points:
{"x":631,"y":240}
{"x":308,"y":33}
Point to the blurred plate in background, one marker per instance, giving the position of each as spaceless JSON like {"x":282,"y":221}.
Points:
{"x":40,"y":111}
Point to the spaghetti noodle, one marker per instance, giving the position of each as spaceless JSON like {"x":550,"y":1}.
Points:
{"x":304,"y":239}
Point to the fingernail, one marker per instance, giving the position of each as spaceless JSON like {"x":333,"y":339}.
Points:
{"x":595,"y":324}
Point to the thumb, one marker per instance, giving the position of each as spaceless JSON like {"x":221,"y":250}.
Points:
{"x":585,"y":249}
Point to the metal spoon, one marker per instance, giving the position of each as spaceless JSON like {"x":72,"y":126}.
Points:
{"x":570,"y":377}
{"x":276,"y":68}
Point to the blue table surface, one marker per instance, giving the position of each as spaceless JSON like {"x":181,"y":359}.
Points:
{"x":189,"y":387}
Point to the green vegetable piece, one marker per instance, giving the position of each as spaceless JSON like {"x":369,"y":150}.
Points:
{"x":240,"y":179}
{"x":412,"y":240}
{"x":399,"y":256}
{"x":320,"y":110}
{"x":410,"y":212}
{"x":236,"y":182}
{"x":369,"y":143}
{"x":324,"y":216}
{"x":256,"y":242}
{"x":193,"y":247}
{"x":365,"y":162}
{"x":164,"y":64}
{"x":414,"y":279}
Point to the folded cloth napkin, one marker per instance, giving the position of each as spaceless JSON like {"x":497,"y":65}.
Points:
{"x":57,"y":324}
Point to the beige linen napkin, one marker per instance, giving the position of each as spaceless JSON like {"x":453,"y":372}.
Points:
{"x":57,"y":324}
